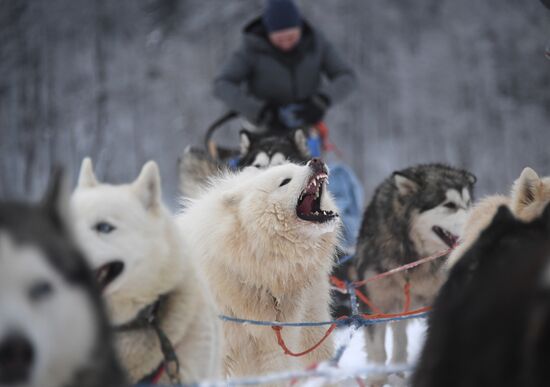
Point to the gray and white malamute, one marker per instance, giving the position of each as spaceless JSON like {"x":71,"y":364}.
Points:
{"x":53,"y":329}
{"x":415,"y":213}
{"x":261,"y":150}
{"x":490,"y":324}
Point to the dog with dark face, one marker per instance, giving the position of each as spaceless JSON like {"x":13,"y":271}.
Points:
{"x":415,"y":213}
{"x":53,"y":328}
{"x":490,"y":324}
{"x":267,"y":150}
{"x":261,"y":150}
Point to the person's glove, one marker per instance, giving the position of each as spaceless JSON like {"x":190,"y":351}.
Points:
{"x":313,"y":109}
{"x":288,"y":116}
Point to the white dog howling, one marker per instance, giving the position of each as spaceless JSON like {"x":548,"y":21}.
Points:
{"x":266,"y":239}
{"x":156,"y":297}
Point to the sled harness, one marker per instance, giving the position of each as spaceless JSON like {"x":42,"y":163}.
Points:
{"x":147,"y":318}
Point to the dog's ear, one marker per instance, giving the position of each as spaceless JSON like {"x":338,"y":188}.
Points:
{"x":405,"y":185}
{"x":56,"y":200}
{"x":86,"y":178}
{"x":300,"y":140}
{"x":247,"y":138}
{"x":147,"y":186}
{"x":525,"y":190}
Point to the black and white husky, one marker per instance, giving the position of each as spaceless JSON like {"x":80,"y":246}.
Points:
{"x":53,"y":329}
{"x":490,"y":324}
{"x":415,"y":213}
{"x":261,"y":150}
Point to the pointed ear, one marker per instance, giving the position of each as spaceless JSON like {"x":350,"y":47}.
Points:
{"x":147,"y":186}
{"x":56,"y":200}
{"x":472,"y":179}
{"x":525,"y":189}
{"x":246,"y":141}
{"x":301,"y":143}
{"x":86,"y":178}
{"x":404,"y":184}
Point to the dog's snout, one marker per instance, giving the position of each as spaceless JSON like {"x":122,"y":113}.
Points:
{"x":317,"y":165}
{"x":16,"y":359}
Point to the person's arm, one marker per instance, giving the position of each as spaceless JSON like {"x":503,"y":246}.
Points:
{"x":228,"y":87}
{"x":341,"y":77}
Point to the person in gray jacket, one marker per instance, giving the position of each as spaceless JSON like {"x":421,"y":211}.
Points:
{"x":285,"y":74}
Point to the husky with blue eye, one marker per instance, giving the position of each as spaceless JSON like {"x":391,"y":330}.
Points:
{"x":53,"y":328}
{"x":167,"y":323}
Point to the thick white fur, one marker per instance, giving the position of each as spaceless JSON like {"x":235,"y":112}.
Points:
{"x":146,"y":239}
{"x":62,"y":328}
{"x":529,"y":196}
{"x":263,"y":262}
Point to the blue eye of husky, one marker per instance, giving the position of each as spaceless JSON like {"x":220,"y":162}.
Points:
{"x":40,"y":290}
{"x":285,"y":182}
{"x":104,"y":227}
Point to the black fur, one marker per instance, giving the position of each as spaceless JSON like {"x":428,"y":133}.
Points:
{"x":490,"y":325}
{"x":272,"y":143}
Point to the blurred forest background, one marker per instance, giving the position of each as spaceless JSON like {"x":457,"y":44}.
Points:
{"x":461,"y":82}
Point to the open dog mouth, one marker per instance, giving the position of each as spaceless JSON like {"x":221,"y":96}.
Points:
{"x":108,"y":273}
{"x":309,"y":203}
{"x":446,"y":236}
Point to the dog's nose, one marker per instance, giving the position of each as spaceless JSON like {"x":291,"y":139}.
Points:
{"x":16,"y":359}
{"x":317,"y":165}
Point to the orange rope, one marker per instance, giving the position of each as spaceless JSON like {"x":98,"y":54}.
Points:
{"x":407,"y":291}
{"x":338,"y":282}
{"x":287,"y":351}
{"x":403,"y":268}
{"x":368,"y":302}
{"x":311,"y":367}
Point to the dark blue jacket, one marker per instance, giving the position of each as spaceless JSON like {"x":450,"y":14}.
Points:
{"x":258,"y":72}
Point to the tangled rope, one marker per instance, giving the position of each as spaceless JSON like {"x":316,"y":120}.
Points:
{"x":356,"y":320}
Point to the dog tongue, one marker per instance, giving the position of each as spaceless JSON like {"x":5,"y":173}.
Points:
{"x":306,"y":206}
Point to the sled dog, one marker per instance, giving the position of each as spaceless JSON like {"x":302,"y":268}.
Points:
{"x":260,"y":150}
{"x":157,"y":299}
{"x":490,"y":324}
{"x":266,"y":240}
{"x":53,"y":328}
{"x":415,"y":213}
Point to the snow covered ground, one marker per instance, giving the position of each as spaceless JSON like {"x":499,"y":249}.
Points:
{"x":355,"y":356}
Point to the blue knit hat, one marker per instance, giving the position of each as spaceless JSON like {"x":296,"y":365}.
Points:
{"x":281,"y":14}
